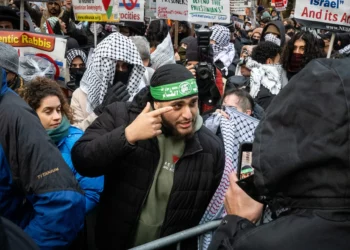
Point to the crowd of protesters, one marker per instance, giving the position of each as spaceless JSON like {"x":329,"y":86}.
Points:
{"x":142,"y":141}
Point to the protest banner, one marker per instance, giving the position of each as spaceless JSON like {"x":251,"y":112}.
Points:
{"x":324,"y":14}
{"x":240,"y":7}
{"x":96,"y":10}
{"x":174,"y":10}
{"x":131,"y":10}
{"x":210,"y":11}
{"x":52,"y":48}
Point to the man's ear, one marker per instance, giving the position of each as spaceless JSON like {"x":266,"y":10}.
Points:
{"x":269,"y":61}
{"x":156,"y":105}
{"x":249,"y":112}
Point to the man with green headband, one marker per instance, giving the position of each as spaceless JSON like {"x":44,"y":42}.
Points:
{"x":161,"y":165}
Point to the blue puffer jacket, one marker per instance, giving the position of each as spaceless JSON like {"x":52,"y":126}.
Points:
{"x":92,"y":187}
{"x":38,"y":191}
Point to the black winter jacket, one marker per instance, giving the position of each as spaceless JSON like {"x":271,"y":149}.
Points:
{"x":129,"y":171}
{"x":301,"y":161}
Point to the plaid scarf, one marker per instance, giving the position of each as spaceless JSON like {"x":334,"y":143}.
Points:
{"x":239,"y":128}
{"x":73,"y":53}
{"x":101,"y":68}
{"x":223,"y":50}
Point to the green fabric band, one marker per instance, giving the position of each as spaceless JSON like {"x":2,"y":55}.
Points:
{"x":247,"y":170}
{"x":174,"y":91}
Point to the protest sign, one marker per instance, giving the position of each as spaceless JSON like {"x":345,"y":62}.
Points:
{"x":131,"y":10}
{"x":240,"y":7}
{"x":174,"y":10}
{"x":96,"y":10}
{"x":150,"y":9}
{"x":281,"y":5}
{"x":324,"y":14}
{"x":52,"y":48}
{"x":210,"y":11}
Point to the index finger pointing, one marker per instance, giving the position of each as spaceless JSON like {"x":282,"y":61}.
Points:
{"x":160,"y":111}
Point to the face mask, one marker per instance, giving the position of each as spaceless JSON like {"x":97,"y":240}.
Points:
{"x":254,"y":41}
{"x":121,"y":77}
{"x":290,"y":34}
{"x":295,"y":62}
{"x":77,"y":74}
{"x":291,"y":16}
{"x":247,"y":28}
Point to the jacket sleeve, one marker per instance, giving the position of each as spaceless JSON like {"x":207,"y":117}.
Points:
{"x":230,"y":229}
{"x":92,"y":187}
{"x":103,"y":143}
{"x":49,"y":185}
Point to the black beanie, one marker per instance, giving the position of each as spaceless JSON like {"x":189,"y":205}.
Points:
{"x":170,"y":73}
{"x":192,"y":51}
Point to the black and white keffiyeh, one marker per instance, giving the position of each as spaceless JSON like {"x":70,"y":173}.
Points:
{"x":164,"y":54}
{"x":223,"y":50}
{"x":271,"y":76}
{"x":272,"y":38}
{"x":73,"y":53}
{"x":101,"y":68}
{"x":235,"y":130}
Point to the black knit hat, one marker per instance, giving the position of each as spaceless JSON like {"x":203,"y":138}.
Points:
{"x":9,"y":14}
{"x":170,"y":73}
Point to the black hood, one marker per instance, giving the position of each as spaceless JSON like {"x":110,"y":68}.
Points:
{"x":301,"y":152}
{"x":281,"y":29}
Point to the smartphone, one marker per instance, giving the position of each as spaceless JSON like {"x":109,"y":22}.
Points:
{"x":244,"y":168}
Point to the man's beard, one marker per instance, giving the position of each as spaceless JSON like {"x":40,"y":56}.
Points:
{"x":54,"y":12}
{"x":170,"y":130}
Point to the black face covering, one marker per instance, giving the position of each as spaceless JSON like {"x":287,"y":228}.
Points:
{"x":290,"y":34}
{"x":77,"y":74}
{"x":254,"y":41}
{"x":121,"y":77}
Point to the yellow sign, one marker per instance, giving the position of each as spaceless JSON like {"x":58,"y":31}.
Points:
{"x":95,"y":18}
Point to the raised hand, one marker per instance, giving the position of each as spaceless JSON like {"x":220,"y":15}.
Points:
{"x":147,"y":124}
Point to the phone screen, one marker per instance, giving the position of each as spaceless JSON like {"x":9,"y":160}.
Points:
{"x":245,"y":168}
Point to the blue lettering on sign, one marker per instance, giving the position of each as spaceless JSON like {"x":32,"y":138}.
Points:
{"x":327,"y":3}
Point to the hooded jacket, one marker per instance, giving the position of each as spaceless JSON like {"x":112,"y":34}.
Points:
{"x":129,"y":172}
{"x":301,"y":161}
{"x":279,"y":25}
{"x":38,"y":191}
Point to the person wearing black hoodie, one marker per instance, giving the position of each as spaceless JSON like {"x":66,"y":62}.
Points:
{"x":276,"y":28}
{"x":301,"y":166}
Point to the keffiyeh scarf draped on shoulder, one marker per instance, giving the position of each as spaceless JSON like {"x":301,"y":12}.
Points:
{"x":101,"y":68}
{"x":271,"y":76}
{"x":235,"y":130}
{"x":223,"y":49}
{"x":164,"y":54}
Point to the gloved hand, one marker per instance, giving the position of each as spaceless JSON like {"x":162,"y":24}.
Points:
{"x":117,"y":93}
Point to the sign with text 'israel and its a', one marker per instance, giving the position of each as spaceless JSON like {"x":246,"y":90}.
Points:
{"x":333,"y":15}
{"x":210,"y":11}
{"x":132,"y":10}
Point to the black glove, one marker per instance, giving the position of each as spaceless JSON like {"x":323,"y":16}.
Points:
{"x":117,"y":93}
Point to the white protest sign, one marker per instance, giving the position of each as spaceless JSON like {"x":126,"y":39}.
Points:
{"x":52,"y":48}
{"x":281,"y":5}
{"x":240,"y":7}
{"x":172,"y":9}
{"x":324,"y":14}
{"x":96,"y":10}
{"x":150,"y":8}
{"x":210,"y":11}
{"x":132,"y":10}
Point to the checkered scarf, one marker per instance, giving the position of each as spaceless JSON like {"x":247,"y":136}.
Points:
{"x":164,"y":54}
{"x":271,"y":76}
{"x":101,"y":68}
{"x":223,"y":50}
{"x":272,"y":38}
{"x":73,"y":53}
{"x":235,"y":130}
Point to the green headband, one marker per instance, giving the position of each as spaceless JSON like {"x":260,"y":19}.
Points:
{"x":173,"y":91}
